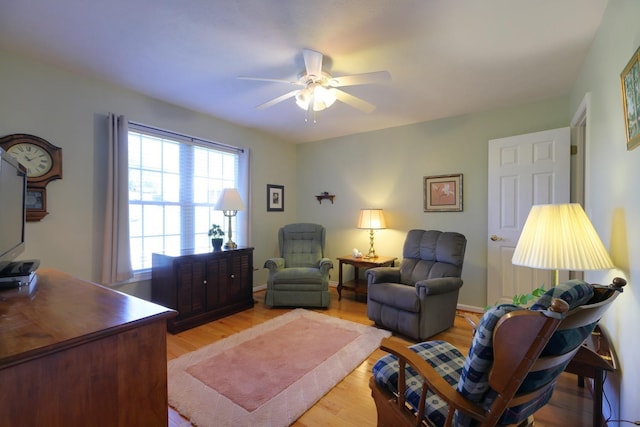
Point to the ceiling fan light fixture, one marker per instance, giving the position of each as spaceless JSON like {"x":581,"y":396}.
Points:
{"x":323,"y":97}
{"x":318,"y":96}
{"x":304,"y":97}
{"x":319,"y":90}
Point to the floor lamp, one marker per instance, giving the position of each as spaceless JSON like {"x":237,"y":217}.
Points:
{"x":560,"y":237}
{"x":229,"y":203}
{"x":372,"y":219}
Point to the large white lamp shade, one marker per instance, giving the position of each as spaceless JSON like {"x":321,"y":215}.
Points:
{"x":560,"y":237}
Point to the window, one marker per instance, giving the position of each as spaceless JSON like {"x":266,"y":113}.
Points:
{"x":174,"y":182}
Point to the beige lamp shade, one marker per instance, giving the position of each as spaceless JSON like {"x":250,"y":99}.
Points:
{"x":229,"y":201}
{"x":371,"y":219}
{"x":560,"y":237}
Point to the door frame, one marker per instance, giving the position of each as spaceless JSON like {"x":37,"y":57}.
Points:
{"x":578,"y":176}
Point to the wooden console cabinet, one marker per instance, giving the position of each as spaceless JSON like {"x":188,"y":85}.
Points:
{"x":73,"y":353}
{"x":202,"y":286}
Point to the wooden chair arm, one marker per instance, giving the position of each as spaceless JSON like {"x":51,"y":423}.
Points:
{"x":432,"y":379}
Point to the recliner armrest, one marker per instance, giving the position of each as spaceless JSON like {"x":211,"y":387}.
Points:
{"x":383,"y":275}
{"x":440,"y":285}
{"x":274,"y":264}
{"x":325,"y":265}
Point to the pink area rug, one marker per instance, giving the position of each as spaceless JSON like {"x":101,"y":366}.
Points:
{"x":270,"y":374}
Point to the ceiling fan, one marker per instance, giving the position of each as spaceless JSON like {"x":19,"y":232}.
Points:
{"x":319,"y":89}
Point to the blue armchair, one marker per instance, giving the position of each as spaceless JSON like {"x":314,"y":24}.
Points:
{"x":300,"y":276}
{"x":419,"y":298}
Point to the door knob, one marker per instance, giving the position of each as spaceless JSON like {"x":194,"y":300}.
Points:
{"x":495,"y":238}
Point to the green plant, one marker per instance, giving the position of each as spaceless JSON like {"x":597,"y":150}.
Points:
{"x":216,"y":231}
{"x":524,"y":299}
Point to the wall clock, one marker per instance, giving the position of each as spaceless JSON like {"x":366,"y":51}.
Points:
{"x":43,"y":163}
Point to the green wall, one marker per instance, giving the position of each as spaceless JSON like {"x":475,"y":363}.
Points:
{"x":70,"y":111}
{"x":613,"y":201}
{"x":385,"y":169}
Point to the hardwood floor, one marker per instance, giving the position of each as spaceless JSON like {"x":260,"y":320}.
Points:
{"x":350,"y":403}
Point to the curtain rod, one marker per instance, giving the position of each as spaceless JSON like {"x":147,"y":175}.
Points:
{"x":188,"y":137}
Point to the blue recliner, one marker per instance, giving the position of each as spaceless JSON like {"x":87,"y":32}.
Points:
{"x":419,"y":298}
{"x":300,"y":276}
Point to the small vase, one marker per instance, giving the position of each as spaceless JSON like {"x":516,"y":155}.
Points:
{"x":217,"y":244}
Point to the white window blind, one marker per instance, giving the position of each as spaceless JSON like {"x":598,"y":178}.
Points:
{"x":174,"y":181}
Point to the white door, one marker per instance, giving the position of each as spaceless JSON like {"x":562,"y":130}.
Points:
{"x":524,"y":170}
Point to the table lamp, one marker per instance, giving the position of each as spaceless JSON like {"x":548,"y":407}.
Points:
{"x":560,"y":237}
{"x":229,"y":203}
{"x":373,"y":219}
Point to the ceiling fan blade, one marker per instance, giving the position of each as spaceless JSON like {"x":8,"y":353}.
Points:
{"x":274,"y":101}
{"x":353,"y":101}
{"x":312,"y":62}
{"x":264,"y":79}
{"x":361,"y":79}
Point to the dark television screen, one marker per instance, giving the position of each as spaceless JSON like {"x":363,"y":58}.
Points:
{"x":13,"y":183}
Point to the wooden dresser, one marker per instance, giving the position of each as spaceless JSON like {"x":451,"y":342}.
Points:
{"x":76,"y":353}
{"x":202,"y":286}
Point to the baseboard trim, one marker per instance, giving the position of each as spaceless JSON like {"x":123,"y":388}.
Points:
{"x":263,"y":287}
{"x":470,"y":308}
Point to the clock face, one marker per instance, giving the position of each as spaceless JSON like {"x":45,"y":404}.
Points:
{"x":36,"y":161}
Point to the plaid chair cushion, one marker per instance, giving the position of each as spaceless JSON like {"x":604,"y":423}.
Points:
{"x":573,"y":292}
{"x":474,"y":379}
{"x":442,"y":356}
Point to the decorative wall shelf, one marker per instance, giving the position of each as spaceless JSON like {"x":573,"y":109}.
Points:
{"x":325,"y":195}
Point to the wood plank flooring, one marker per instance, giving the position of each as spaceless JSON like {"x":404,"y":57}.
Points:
{"x":349,"y":404}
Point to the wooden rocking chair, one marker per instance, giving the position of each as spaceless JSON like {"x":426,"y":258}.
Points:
{"x":515,"y":358}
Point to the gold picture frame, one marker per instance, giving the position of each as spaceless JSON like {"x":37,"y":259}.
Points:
{"x":630,"y":85}
{"x":443,"y":193}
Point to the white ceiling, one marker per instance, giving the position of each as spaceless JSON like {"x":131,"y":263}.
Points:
{"x":446,"y":57}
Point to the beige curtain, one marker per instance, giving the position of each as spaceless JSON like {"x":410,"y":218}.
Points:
{"x":116,"y":261}
{"x":244,"y":188}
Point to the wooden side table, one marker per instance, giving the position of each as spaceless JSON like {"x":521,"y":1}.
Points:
{"x":359,"y":286}
{"x":592,"y":359}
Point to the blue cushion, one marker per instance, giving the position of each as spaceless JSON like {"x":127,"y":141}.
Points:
{"x":573,"y":292}
{"x":474,"y":379}
{"x":442,"y":356}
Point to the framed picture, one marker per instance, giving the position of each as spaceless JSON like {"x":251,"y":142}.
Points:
{"x":443,"y":193}
{"x":630,"y":81}
{"x":275,"y":198}
{"x":36,"y":204}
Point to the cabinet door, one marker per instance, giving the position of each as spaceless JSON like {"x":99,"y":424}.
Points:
{"x":190,"y":282}
{"x":223,"y":281}
{"x":212,"y":288}
{"x":235,"y":283}
{"x":245,"y":275}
